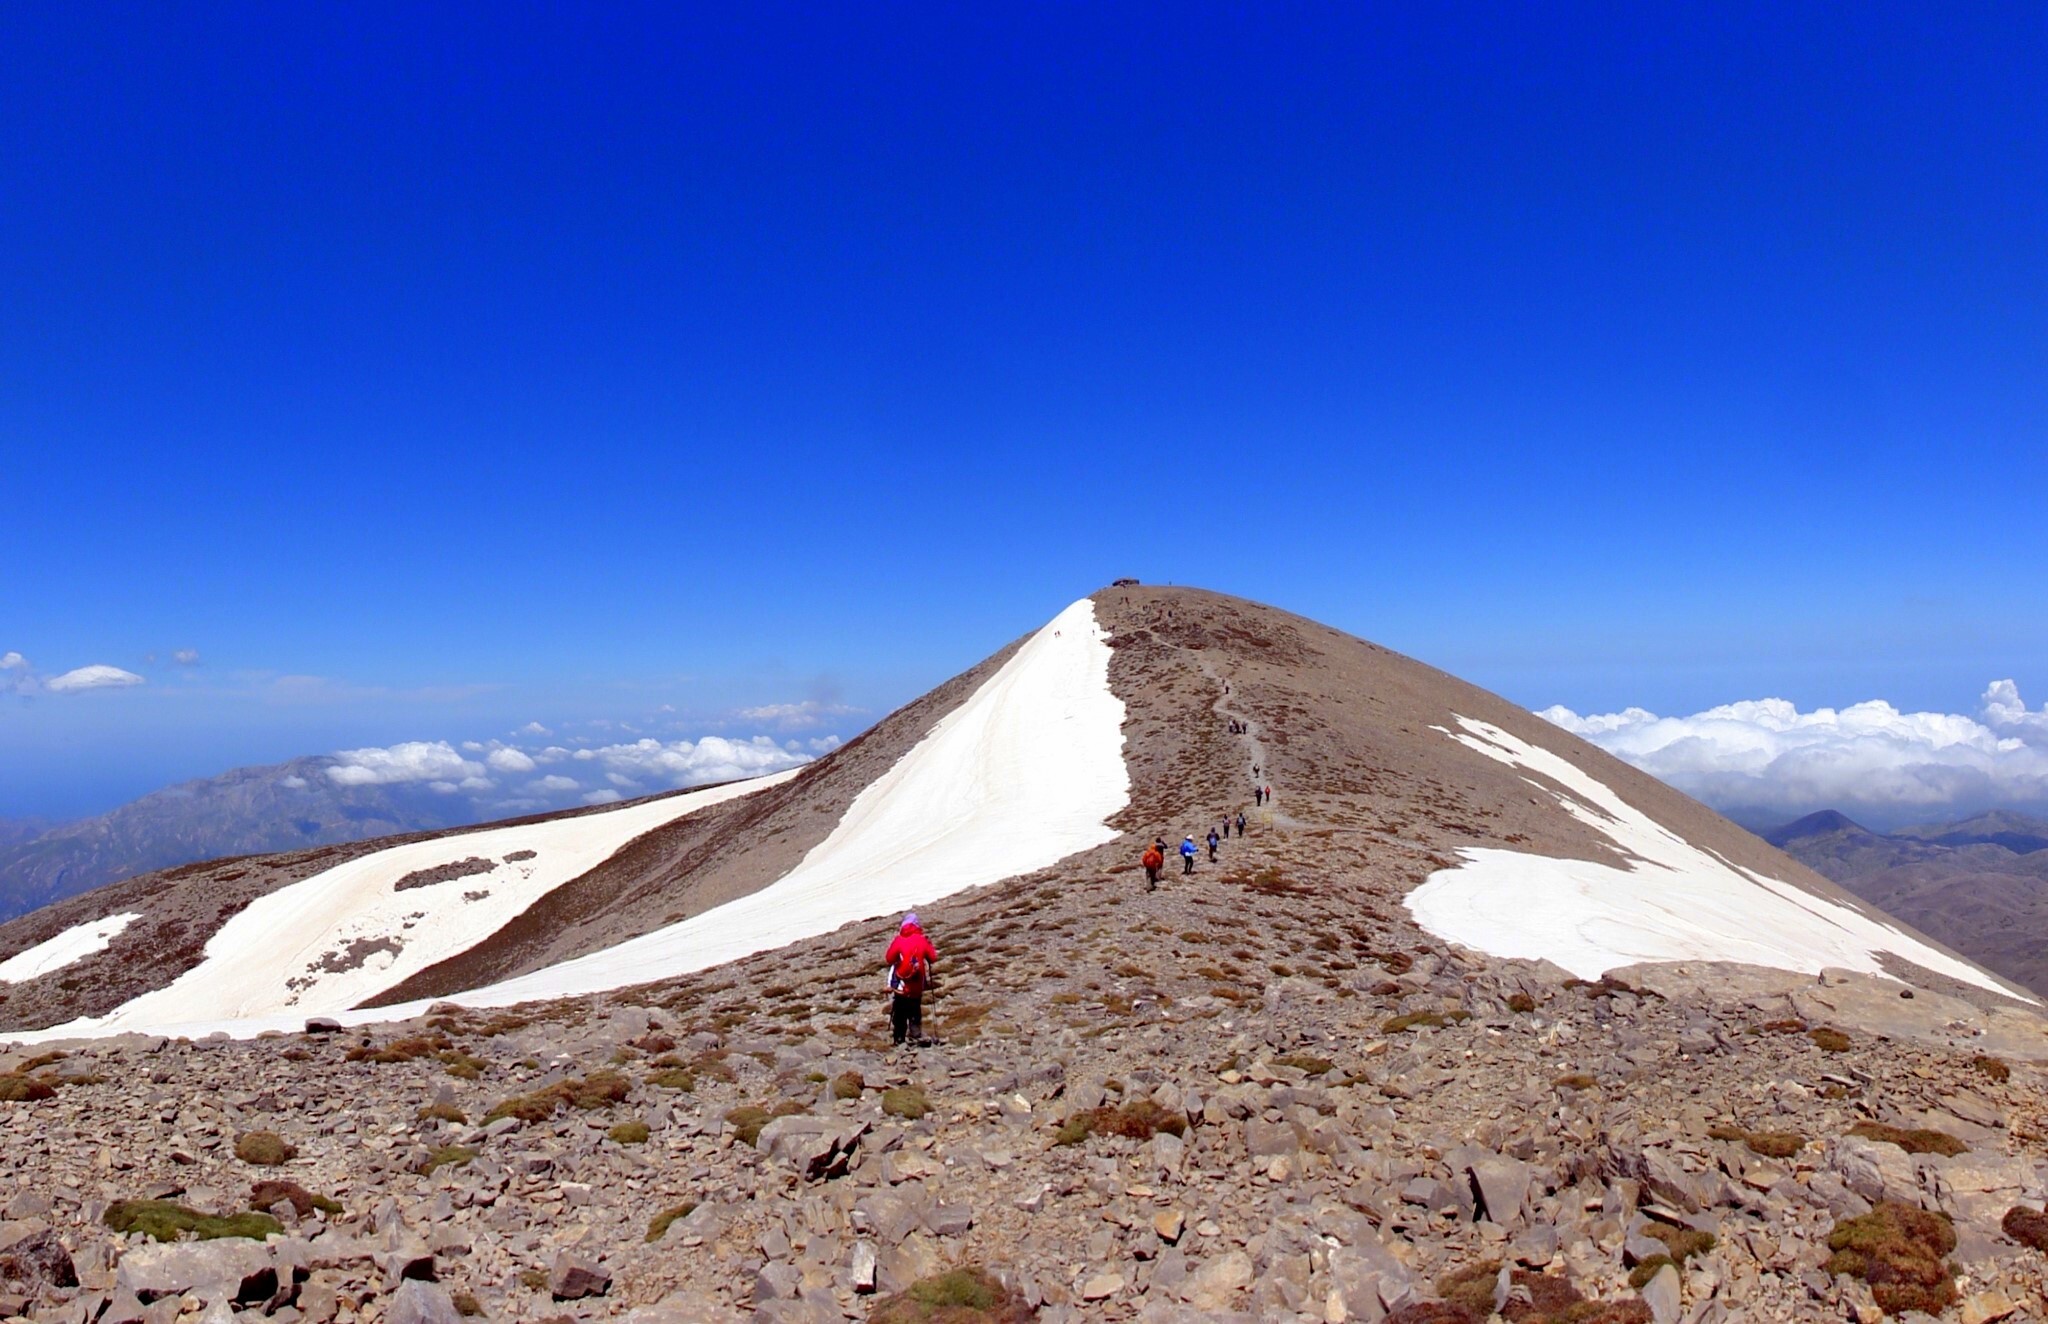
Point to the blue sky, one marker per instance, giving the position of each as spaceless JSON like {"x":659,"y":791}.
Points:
{"x":562,"y":363}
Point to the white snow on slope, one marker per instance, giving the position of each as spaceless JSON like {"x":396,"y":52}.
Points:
{"x":1020,"y":776}
{"x":74,"y":944}
{"x":1673,"y":902}
{"x":329,"y":942}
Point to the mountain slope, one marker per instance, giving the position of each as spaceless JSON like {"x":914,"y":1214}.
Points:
{"x":1980,"y":885}
{"x":247,"y":811}
{"x":1418,"y":789}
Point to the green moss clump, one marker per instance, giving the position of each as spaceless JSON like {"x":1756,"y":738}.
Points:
{"x":1413,"y":1020}
{"x":968,"y":1295}
{"x":747,"y":1120}
{"x":1900,"y":1252}
{"x":466,"y":1305}
{"x":675,"y":1078}
{"x":447,"y":1156}
{"x":1918,"y":1140}
{"x":848,"y":1085}
{"x":1683,"y":1242}
{"x":1471,"y":1287}
{"x":906,"y":1101}
{"x":1640,"y":1276}
{"x":657,"y":1227}
{"x":1830,"y":1041}
{"x":443,"y":1112}
{"x":629,"y":1133}
{"x":166,"y":1220}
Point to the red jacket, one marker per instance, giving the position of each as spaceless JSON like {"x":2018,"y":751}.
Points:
{"x":902,"y":960}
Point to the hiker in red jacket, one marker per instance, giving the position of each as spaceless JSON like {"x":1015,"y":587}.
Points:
{"x":1154,"y":860}
{"x":910,"y":959}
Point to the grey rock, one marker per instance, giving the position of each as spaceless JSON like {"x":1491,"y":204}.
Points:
{"x":1503,"y":1188}
{"x":1661,"y":1295}
{"x":417,"y":1302}
{"x":228,"y":1270}
{"x":574,"y":1277}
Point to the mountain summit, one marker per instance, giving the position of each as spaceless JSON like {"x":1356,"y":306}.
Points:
{"x":1468,"y":1018}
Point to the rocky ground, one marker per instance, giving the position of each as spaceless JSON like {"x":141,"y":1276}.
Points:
{"x":1257,"y":1093}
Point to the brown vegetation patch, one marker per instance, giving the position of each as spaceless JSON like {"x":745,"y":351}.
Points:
{"x":1899,"y":1251}
{"x":969,"y":1295}
{"x":1918,"y":1140}
{"x":1830,"y":1040}
{"x":2027,"y":1226}
{"x":1140,"y":1119}
{"x":600,"y":1089}
{"x":1770,"y":1144}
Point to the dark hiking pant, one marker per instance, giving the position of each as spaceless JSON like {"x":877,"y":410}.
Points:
{"x":906,"y":1016}
{"x":1187,"y":864}
{"x":1151,"y":878}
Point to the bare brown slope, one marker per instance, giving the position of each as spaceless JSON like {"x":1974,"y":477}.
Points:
{"x":1352,"y":738}
{"x":181,"y":909}
{"x":698,"y":862}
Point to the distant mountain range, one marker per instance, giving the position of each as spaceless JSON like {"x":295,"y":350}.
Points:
{"x":249,"y":811}
{"x":1979,"y":885}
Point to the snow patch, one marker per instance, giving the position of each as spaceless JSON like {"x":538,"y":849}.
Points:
{"x":332,"y":941}
{"x":1023,"y":774}
{"x":1667,"y":901}
{"x":74,"y":944}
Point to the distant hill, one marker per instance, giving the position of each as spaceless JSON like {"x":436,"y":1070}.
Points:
{"x":1979,"y":885}
{"x":249,"y":811}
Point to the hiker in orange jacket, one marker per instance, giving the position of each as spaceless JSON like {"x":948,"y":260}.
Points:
{"x":910,"y":959}
{"x":1154,"y":861}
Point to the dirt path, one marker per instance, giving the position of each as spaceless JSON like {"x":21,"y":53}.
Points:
{"x":1256,"y":767}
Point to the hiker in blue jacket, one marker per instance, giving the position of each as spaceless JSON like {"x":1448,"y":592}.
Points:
{"x":1187,"y":855}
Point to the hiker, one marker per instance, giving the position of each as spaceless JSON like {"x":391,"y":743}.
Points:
{"x":1240,"y":822}
{"x":1212,"y":845}
{"x":1154,"y":860}
{"x":1187,"y":854}
{"x":909,"y":959}
{"x":1258,"y":796}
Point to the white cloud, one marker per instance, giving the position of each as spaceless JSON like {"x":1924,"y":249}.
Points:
{"x":510,"y":760}
{"x":411,"y":761}
{"x":293,"y":782}
{"x":692,"y":763}
{"x":798,"y":716}
{"x":602,"y":798}
{"x":96,"y":677}
{"x":186,"y":657}
{"x":535,"y":729}
{"x":12,"y":661}
{"x":1764,"y":758}
{"x":553,"y":782}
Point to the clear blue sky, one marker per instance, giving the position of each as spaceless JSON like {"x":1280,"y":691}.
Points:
{"x":560,"y":362}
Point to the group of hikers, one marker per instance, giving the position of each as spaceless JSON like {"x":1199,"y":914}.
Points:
{"x":1154,"y":858}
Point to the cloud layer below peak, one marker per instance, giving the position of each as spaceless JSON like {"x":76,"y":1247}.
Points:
{"x":1765,"y":761}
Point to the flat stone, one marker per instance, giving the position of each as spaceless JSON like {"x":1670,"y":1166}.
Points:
{"x":1661,"y":1295}
{"x":421,"y":1303}
{"x":1216,"y":1283}
{"x":1169,"y":1224}
{"x":574,"y":1277}
{"x":1102,"y":1286}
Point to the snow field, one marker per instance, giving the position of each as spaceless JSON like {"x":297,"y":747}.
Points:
{"x":329,"y":942}
{"x":1023,"y":774}
{"x":74,"y":944}
{"x":1671,"y":901}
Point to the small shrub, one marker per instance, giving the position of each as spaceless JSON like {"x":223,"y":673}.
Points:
{"x":747,"y":1120}
{"x":1830,"y":1041}
{"x":968,"y":1295}
{"x":264,"y":1149}
{"x":1140,"y":1119}
{"x":1899,"y":1251}
{"x":600,"y":1089}
{"x":443,"y":1112}
{"x":1575,"y":1080}
{"x":1770,"y":1144}
{"x":17,"y":1088}
{"x":1412,"y":1020}
{"x":2027,"y":1226}
{"x":165,"y":1220}
{"x":1640,"y":1276}
{"x":447,"y":1156}
{"x":1789,"y":1025}
{"x":848,"y":1085}
{"x":1521,"y":1002}
{"x":1683,"y":1242}
{"x":675,"y":1078}
{"x":657,"y":1227}
{"x":1306,"y":1063}
{"x":534,"y":1280}
{"x":630,"y":1133}
{"x":1994,"y":1067}
{"x":466,"y":1305}
{"x":1914,"y":1141}
{"x":1471,"y":1287}
{"x":267,"y":1193}
{"x":907,"y":1102}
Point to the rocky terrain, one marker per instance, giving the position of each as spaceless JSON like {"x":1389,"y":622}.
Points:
{"x":1259,"y":1093}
